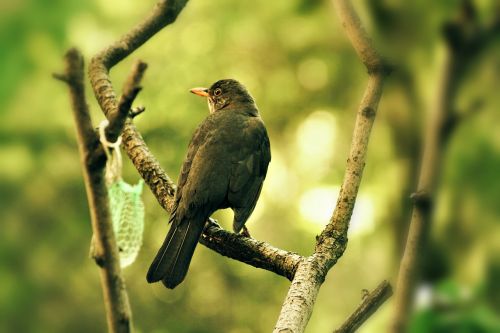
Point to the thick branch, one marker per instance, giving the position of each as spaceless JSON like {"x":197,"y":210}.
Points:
{"x":116,"y":302}
{"x":368,"y":306}
{"x":332,"y":242}
{"x":251,"y":251}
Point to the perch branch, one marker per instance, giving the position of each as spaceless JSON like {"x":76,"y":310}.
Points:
{"x":119,"y":315}
{"x":462,"y":48}
{"x":332,"y":242}
{"x":248,"y":250}
{"x":251,"y":251}
{"x":368,"y":306}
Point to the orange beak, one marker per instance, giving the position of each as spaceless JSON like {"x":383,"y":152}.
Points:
{"x":200,"y":91}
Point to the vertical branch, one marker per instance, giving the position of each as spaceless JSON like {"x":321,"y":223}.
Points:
{"x":119,"y":316}
{"x":332,"y":242}
{"x":422,"y":203}
{"x":465,"y":39}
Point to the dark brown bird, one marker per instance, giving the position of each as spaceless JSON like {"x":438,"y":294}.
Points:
{"x":225,"y":167}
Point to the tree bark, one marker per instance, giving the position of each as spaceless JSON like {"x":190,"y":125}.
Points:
{"x":118,"y":313}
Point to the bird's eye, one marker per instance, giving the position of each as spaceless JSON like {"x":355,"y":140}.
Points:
{"x":217,"y":92}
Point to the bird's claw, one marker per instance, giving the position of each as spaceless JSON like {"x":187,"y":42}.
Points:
{"x":245,"y":232}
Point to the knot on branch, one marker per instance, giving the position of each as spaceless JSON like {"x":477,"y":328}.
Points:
{"x":171,"y":9}
{"x":422,"y":200}
{"x":97,"y":257}
{"x":380,"y":67}
{"x":368,"y":112}
{"x":332,"y":239}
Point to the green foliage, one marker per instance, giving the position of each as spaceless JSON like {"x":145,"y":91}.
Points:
{"x":453,"y":312}
{"x":307,"y":81}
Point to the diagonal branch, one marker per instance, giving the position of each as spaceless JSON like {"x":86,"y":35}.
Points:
{"x":248,"y":250}
{"x":358,"y":37}
{"x":164,"y":13}
{"x":116,"y":302}
{"x":131,"y":88}
{"x":332,"y":242}
{"x":368,"y":306}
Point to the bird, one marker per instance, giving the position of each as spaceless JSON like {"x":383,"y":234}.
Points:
{"x":225,"y":167}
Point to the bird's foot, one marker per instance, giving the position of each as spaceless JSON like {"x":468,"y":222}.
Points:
{"x":245,"y":232}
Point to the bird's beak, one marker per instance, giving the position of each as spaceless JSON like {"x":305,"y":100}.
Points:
{"x":200,"y":91}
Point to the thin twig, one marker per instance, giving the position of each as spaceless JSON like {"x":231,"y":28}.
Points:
{"x":116,"y":302}
{"x":60,"y":77}
{"x":134,"y":112}
{"x":131,"y":88}
{"x":368,"y":306}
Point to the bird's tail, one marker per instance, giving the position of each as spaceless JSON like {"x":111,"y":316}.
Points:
{"x":172,"y":261}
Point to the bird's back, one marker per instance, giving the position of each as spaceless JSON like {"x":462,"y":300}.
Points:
{"x":225,"y":166}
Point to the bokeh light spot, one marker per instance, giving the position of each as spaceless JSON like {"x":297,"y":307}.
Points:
{"x":312,"y":74}
{"x":317,"y":205}
{"x":315,"y":142}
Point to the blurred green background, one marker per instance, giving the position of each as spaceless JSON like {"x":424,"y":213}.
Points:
{"x":307,"y":81}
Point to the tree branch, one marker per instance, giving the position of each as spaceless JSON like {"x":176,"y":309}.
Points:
{"x":119,"y":316}
{"x":250,"y":251}
{"x":131,"y":88}
{"x":359,"y":38}
{"x":368,"y":306}
{"x":462,"y":48}
{"x":332,"y":242}
{"x":164,"y":13}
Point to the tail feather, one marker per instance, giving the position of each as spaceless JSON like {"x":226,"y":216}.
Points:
{"x":172,"y":261}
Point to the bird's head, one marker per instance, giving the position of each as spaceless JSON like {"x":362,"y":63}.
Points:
{"x":225,"y":94}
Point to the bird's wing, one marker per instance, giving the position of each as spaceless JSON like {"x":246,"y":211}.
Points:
{"x":248,"y":172}
{"x":199,"y":137}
